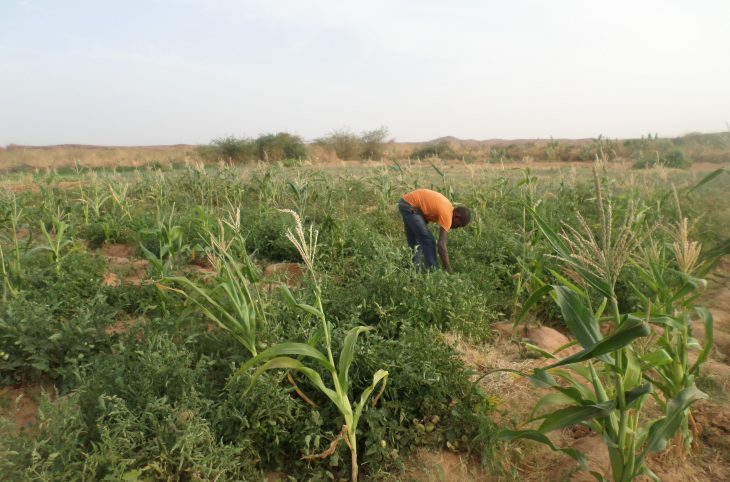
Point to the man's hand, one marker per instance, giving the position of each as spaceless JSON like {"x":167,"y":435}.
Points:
{"x":443,"y":252}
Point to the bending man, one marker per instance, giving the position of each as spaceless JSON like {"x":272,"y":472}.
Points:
{"x":423,"y":206}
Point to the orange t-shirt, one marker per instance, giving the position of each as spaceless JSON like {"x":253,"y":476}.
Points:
{"x":433,"y":205}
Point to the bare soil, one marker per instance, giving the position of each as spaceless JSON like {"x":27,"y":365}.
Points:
{"x":20,"y":404}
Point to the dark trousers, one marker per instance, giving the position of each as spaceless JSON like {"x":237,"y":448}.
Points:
{"x":419,"y":237}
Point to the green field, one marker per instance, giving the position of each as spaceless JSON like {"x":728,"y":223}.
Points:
{"x":134,"y":302}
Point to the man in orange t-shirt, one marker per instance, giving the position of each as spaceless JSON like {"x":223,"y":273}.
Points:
{"x":420,"y":207}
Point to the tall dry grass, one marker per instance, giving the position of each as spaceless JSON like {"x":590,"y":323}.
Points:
{"x":30,"y":157}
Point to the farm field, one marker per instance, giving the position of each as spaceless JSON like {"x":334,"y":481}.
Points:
{"x":261,"y":322}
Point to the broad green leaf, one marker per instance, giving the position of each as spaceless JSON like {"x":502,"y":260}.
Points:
{"x":569,"y":416}
{"x":657,"y":358}
{"x":342,"y":403}
{"x":288,"y":348}
{"x":565,"y":281}
{"x":632,"y":370}
{"x":666,"y":321}
{"x":630,"y":329}
{"x":587,"y":398}
{"x":378,"y":376}
{"x":663,"y":429}
{"x":289,"y":297}
{"x":706,"y":318}
{"x":633,"y":395}
{"x":302,"y":306}
{"x":578,"y":317}
{"x":534,"y":297}
{"x":556,"y":398}
{"x":542,"y":352}
{"x":347,"y":354}
{"x":599,"y":312}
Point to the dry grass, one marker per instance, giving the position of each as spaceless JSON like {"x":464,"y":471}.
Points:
{"x":27,"y":157}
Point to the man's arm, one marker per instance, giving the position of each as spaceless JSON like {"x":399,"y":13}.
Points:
{"x":443,"y":252}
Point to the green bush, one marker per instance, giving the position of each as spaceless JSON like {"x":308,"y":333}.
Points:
{"x":372,"y":143}
{"x":281,"y":146}
{"x":230,"y":148}
{"x":674,"y":158}
{"x":38,"y":343}
{"x":345,"y":144}
{"x":442,"y":150}
{"x":348,"y":146}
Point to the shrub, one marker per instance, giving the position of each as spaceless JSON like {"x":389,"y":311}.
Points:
{"x":442,"y":150}
{"x":674,"y":158}
{"x":281,"y":146}
{"x":344,"y":143}
{"x":230,"y":148}
{"x":372,"y":142}
{"x":36,"y":344}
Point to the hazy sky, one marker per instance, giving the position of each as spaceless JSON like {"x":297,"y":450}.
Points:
{"x":132,"y":72}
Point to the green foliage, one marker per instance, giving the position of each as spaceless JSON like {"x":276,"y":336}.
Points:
{"x":344,"y":144}
{"x":349,"y":146}
{"x":230,"y":148}
{"x":281,"y":146}
{"x":372,"y":143}
{"x":37,"y":344}
{"x":158,"y":399}
{"x":441,"y":150}
{"x":674,"y":158}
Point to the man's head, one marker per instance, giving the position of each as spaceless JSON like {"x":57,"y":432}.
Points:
{"x":460,"y":218}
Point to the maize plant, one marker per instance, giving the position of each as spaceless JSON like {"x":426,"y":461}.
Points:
{"x":616,"y":369}
{"x":93,"y":202}
{"x":11,"y":273}
{"x":229,"y":302}
{"x":674,"y":276}
{"x":56,"y":240}
{"x":170,"y":243}
{"x":280,"y":356}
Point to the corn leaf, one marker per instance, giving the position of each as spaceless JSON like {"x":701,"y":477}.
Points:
{"x":569,"y":416}
{"x":578,"y":317}
{"x":630,"y":329}
{"x":288,"y":348}
{"x":378,"y":376}
{"x":291,"y":364}
{"x":563,"y":251}
{"x":534,"y":297}
{"x":302,"y":306}
{"x":347,"y":354}
{"x":706,"y":318}
{"x":663,"y":429}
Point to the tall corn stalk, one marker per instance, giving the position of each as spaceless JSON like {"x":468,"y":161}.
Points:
{"x":231,"y":301}
{"x":616,"y":369}
{"x":674,"y":275}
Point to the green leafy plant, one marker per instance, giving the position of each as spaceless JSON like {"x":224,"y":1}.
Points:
{"x":170,"y":243}
{"x":93,"y":201}
{"x":229,"y":302}
{"x":674,"y":275}
{"x":280,"y":355}
{"x":281,"y":146}
{"x":617,"y":369}
{"x":57,"y":240}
